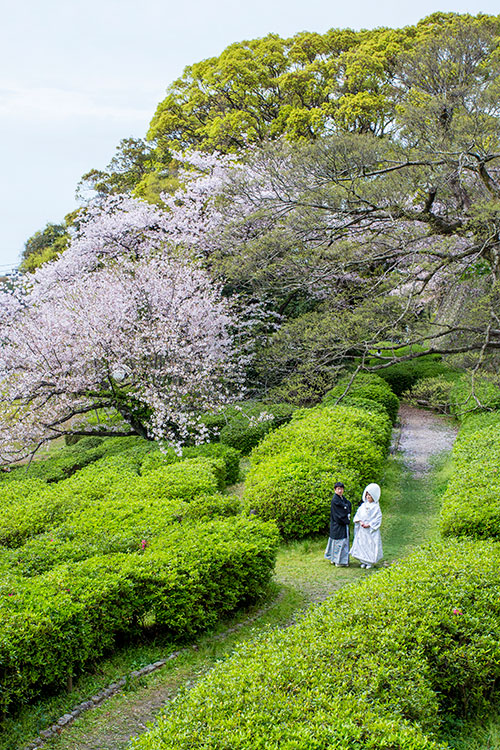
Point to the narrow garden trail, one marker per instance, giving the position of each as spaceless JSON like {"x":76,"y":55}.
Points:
{"x":410,"y":507}
{"x":423,"y":435}
{"x":409,"y":503}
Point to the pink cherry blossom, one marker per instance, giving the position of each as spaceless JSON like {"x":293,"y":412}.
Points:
{"x":125,"y":319}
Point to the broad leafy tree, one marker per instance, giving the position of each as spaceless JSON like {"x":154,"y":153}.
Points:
{"x":303,"y":87}
{"x":361,"y":239}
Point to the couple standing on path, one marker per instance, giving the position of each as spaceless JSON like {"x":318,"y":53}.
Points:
{"x":367,"y":545}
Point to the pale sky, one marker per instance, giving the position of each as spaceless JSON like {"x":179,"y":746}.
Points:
{"x":80,"y":75}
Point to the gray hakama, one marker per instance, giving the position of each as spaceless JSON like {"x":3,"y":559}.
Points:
{"x":337,"y":551}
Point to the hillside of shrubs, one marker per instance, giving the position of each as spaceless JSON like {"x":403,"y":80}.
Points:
{"x":110,"y":537}
{"x":113,"y":537}
{"x":375,"y":666}
{"x":384,"y":662}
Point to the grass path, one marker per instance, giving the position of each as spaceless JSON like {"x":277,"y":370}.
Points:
{"x":303,"y":576}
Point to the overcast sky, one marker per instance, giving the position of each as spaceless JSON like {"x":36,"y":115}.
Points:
{"x":78,"y":76}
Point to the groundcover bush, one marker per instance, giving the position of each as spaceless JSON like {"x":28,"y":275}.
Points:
{"x":294,"y":469}
{"x":52,"y":624}
{"x":375,"y":666}
{"x":230,"y":456}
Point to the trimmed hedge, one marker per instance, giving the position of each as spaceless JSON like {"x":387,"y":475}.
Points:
{"x":403,"y":376}
{"x":365,"y":385}
{"x":230,"y":456}
{"x":313,"y":430}
{"x":133,"y":510}
{"x":375,"y":666}
{"x":471,"y":505}
{"x":52,"y":625}
{"x":478,"y":421}
{"x":368,"y":404}
{"x":294,"y":469}
{"x":32,"y":507}
{"x":124,"y":527}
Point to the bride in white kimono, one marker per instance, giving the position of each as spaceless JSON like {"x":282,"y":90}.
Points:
{"x":367,"y":544}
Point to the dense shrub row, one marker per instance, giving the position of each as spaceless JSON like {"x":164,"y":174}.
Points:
{"x":52,"y":624}
{"x":471,"y":505}
{"x":365,"y":385}
{"x":31,"y":506}
{"x":375,"y":666}
{"x":96,"y":538}
{"x":294,"y":468}
{"x":118,"y":526}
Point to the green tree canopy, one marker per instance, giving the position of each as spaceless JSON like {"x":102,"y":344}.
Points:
{"x":359,"y":239}
{"x":302,"y":87}
{"x":134,"y":163}
{"x":46,"y":244}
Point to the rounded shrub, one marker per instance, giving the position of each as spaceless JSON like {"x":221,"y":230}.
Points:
{"x":294,"y":469}
{"x":365,"y":385}
{"x":296,"y":494}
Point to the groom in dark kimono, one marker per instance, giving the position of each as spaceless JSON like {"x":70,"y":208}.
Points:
{"x":337,"y":549}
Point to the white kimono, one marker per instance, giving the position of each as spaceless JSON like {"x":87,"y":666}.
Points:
{"x":367,"y":544}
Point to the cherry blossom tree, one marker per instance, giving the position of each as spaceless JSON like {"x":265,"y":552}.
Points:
{"x":128,"y":319}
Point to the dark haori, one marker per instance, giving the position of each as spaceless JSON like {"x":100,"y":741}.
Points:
{"x":337,"y":549}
